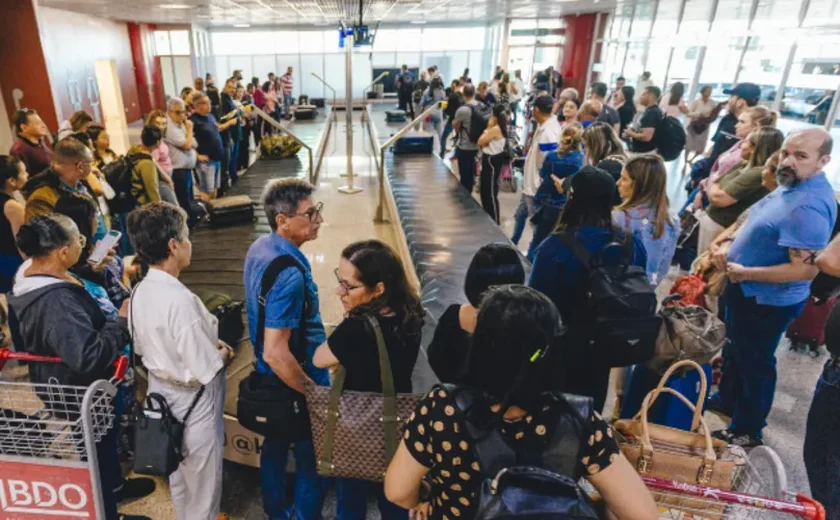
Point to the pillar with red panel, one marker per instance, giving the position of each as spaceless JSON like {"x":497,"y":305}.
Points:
{"x":579,"y":32}
{"x":147,"y":69}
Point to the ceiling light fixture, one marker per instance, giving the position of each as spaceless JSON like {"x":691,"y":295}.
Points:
{"x":242,"y":25}
{"x":175,"y":6}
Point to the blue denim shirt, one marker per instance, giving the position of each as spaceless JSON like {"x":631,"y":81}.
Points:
{"x":285,"y":303}
{"x":562,"y":166}
{"x":660,"y":250}
{"x":800,"y":217}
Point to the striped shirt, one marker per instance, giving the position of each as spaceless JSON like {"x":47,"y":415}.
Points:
{"x":288,"y":84}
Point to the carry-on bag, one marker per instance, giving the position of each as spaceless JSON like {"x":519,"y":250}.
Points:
{"x":305,"y":112}
{"x":278,"y":147}
{"x":688,"y":332}
{"x":318,"y":102}
{"x":228,"y":312}
{"x":415,"y":143}
{"x":807,"y":332}
{"x":667,"y":410}
{"x":356,"y":433}
{"x":395,"y":116}
{"x":229,"y":211}
{"x":159,"y":437}
{"x":690,"y":457}
{"x":266,"y":405}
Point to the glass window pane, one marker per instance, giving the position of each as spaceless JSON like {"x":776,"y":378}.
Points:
{"x":309,"y":84}
{"x":657,"y":62}
{"x":183,"y":72}
{"x":683,"y":65}
{"x":633,"y":63}
{"x":221,"y":67}
{"x":778,"y":13}
{"x":263,"y":64}
{"x":180,"y":42}
{"x":821,"y":11}
{"x":814,"y":74}
{"x":476,"y":73}
{"x":642,"y":20}
{"x":409,"y":40}
{"x":412,"y":59}
{"x":666,"y":19}
{"x":162,"y":47}
{"x":437,"y":39}
{"x":457,"y":64}
{"x":334,"y":73}
{"x":285,"y":42}
{"x":720,"y":65}
{"x":764,"y":62}
{"x":384,"y":59}
{"x":331,"y":41}
{"x":169,"y":86}
{"x":731,"y":17}
{"x":311,"y":42}
{"x":242,"y":63}
{"x":386,"y":40}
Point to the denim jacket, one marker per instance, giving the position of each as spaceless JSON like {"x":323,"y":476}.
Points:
{"x":559,"y":165}
{"x":660,"y":250}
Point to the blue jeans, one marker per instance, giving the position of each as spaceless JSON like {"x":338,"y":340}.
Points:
{"x":351,"y":500}
{"x":544,"y":226}
{"x":748,"y":384}
{"x":526,"y":208}
{"x":233,"y":161}
{"x":287,"y":102}
{"x":120,"y":222}
{"x":444,"y":136}
{"x":309,"y":487}
{"x":822,"y":443}
{"x":183,"y":181}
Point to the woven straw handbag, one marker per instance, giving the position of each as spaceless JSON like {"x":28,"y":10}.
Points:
{"x":356,"y":433}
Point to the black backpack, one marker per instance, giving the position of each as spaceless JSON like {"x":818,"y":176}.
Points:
{"x":539,"y":483}
{"x":620,"y":320}
{"x":479,"y":118}
{"x":670,"y":138}
{"x":118,"y":174}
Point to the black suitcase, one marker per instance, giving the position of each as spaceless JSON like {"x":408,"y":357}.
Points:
{"x":303,"y":99}
{"x":229,"y":211}
{"x":305,"y":112}
{"x":419,"y":143}
{"x":318,"y":102}
{"x":228,"y":312}
{"x":395,"y":116}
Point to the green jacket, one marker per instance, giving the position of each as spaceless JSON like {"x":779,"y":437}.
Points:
{"x":145,"y":177}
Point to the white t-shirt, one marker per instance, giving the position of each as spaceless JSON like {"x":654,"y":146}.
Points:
{"x":546,"y":139}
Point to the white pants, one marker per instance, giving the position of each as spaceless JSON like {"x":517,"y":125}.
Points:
{"x":708,"y":231}
{"x":196,"y":486}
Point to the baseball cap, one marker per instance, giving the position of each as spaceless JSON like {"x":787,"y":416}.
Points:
{"x":591,"y":185}
{"x":749,"y":92}
{"x":544,"y":104}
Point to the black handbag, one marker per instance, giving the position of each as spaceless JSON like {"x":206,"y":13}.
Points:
{"x":266,"y":405}
{"x":159,"y":437}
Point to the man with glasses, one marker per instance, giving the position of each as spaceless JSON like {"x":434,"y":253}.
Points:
{"x":71,"y":164}
{"x":211,"y":149}
{"x":293,"y":330}
{"x":182,"y":145}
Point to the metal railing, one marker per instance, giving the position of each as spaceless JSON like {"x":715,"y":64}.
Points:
{"x":319,"y":78}
{"x":322,"y":146}
{"x":380,"y":208}
{"x":373,"y":135}
{"x":372,"y":83}
{"x":273,"y":122}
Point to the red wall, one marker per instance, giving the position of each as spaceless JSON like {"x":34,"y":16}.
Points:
{"x":24,"y":65}
{"x":147,"y":70}
{"x":579,"y":37}
{"x":72,"y":42}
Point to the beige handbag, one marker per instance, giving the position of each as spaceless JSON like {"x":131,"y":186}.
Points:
{"x":688,"y":332}
{"x":693,"y":457}
{"x":715,"y":278}
{"x":357,"y":433}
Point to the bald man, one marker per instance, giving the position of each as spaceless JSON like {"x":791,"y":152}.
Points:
{"x":589,"y":112}
{"x":770,"y":263}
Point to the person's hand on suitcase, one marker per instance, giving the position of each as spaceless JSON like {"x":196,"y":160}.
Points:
{"x":226,"y":352}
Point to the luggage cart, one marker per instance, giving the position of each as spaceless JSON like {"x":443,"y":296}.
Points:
{"x":758,"y":492}
{"x":48,"y":436}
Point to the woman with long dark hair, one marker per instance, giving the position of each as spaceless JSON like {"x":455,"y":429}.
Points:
{"x":494,"y":155}
{"x":13,"y":176}
{"x":372,"y":282}
{"x":626,"y":108}
{"x":509,"y":359}
{"x":560,"y":275}
{"x":605,"y":151}
{"x":672,"y":104}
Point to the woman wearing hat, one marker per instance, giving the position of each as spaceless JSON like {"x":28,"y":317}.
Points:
{"x":558,"y":273}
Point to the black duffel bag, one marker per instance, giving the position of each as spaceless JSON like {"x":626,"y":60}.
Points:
{"x":266,"y":405}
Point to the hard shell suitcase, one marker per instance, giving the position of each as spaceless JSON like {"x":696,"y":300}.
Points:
{"x":395,"y":116}
{"x":418,"y":143}
{"x":808,"y":330}
{"x":667,"y":410}
{"x":303,"y":99}
{"x":305,"y":112}
{"x":318,"y":102}
{"x":229,"y":211}
{"x":227,"y":311}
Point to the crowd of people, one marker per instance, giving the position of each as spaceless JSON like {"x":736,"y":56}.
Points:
{"x":592,"y":176}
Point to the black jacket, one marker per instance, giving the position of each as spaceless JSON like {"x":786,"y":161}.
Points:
{"x":59,"y":318}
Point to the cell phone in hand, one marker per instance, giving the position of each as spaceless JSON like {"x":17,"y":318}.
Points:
{"x":103,"y":246}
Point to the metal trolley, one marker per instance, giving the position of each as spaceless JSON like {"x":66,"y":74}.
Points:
{"x":759,"y":492}
{"x":48,"y":436}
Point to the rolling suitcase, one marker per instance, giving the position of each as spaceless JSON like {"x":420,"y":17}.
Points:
{"x":230,"y":211}
{"x":318,"y":102}
{"x":807,"y":332}
{"x":395,"y":116}
{"x":303,"y":99}
{"x":417,"y":143}
{"x":667,"y":410}
{"x":305,"y":112}
{"x":228,"y":312}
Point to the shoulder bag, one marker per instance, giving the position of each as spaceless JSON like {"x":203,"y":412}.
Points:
{"x":266,"y":405}
{"x":357,"y":433}
{"x":689,"y":332}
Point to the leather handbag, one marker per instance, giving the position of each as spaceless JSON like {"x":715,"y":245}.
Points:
{"x":688,"y":332}
{"x":715,"y":278}
{"x":356,"y":433}
{"x":692,"y":457}
{"x":266,"y":405}
{"x":159,"y":437}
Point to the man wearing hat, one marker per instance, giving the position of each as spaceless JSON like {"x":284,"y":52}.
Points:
{"x":741,"y":97}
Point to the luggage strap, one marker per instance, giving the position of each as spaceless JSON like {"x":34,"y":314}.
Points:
{"x":269,"y":277}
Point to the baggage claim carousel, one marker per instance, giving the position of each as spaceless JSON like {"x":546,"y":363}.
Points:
{"x":440,"y":227}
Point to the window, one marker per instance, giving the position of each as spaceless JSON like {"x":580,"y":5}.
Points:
{"x":311,"y":42}
{"x":821,"y":11}
{"x":180,"y":42}
{"x":286,"y":42}
{"x":642,"y":20}
{"x":162,"y":47}
{"x":386,"y":40}
{"x":764,"y":62}
{"x":778,"y":13}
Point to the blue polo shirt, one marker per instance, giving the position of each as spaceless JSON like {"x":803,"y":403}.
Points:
{"x":285,"y":302}
{"x":207,"y":135}
{"x":800,"y":217}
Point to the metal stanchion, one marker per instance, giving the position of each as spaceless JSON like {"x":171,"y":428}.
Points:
{"x":348,"y":44}
{"x":333,"y":116}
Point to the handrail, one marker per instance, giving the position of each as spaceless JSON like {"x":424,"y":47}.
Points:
{"x":319,"y":78}
{"x":374,"y":137}
{"x":273,"y":122}
{"x":374,"y":82}
{"x":380,"y":208}
{"x":322,"y":145}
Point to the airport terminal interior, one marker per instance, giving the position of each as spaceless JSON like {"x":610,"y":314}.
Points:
{"x":374,"y":105}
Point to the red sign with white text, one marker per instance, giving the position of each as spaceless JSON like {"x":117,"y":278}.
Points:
{"x":30,"y":491}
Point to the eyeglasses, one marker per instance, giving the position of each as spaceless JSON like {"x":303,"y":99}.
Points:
{"x":179,"y":112}
{"x":82,"y":240}
{"x":312,"y":213}
{"x":345,"y":287}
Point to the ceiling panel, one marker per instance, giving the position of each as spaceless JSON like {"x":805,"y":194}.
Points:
{"x":227,"y":13}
